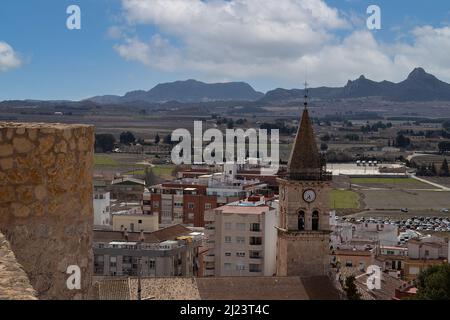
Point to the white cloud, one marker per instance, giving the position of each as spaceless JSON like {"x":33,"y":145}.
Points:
{"x":277,"y":40}
{"x":8,"y":58}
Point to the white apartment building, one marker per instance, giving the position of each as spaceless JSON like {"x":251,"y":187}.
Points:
{"x":242,"y":238}
{"x":102,"y":209}
{"x":346,"y":235}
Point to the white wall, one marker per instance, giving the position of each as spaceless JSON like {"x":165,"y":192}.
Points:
{"x":102,"y":210}
{"x":270,"y":240}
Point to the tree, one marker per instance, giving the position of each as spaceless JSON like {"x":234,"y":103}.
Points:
{"x":127,"y":137}
{"x":444,"y":172}
{"x":350,"y":289}
{"x":150,"y":177}
{"x":446,"y":125}
{"x":168,"y":139}
{"x":157,"y":139}
{"x":433,"y":169}
{"x":444,"y":146}
{"x":402,"y":142}
{"x":433,"y":283}
{"x":104,"y":142}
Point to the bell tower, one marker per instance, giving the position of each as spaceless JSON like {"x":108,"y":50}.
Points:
{"x":304,"y":233}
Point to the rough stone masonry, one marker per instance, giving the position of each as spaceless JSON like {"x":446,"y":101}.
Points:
{"x":46,"y":203}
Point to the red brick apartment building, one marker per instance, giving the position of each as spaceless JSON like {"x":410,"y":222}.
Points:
{"x":185,"y":201}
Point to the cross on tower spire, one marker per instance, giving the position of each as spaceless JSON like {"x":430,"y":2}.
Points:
{"x":305,"y":103}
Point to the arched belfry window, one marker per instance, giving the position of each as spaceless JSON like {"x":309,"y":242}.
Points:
{"x":301,"y":220}
{"x":315,"y":220}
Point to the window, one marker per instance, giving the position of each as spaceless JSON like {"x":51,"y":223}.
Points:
{"x":301,"y":220}
{"x":191,"y":205}
{"x":255,"y":254}
{"x":240,"y":267}
{"x":256,"y":227}
{"x":139,"y":221}
{"x":240,"y":254}
{"x":227,"y":254}
{"x":152,"y":264}
{"x":227,"y":239}
{"x":255,"y":268}
{"x":255,"y":241}
{"x":227,"y":225}
{"x":240,"y":226}
{"x":208,"y":206}
{"x":315,"y":220}
{"x":240,"y":240}
{"x":156,"y":204}
{"x":127,"y":259}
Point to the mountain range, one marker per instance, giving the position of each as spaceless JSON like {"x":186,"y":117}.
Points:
{"x":418,"y":86}
{"x":185,"y":92}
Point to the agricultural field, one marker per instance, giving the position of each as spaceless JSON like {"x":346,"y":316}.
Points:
{"x":131,"y":164}
{"x":344,"y":199}
{"x":413,"y":200}
{"x":389,"y":183}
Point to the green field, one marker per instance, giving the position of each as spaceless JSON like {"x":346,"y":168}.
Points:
{"x":163,"y":171}
{"x":383,"y":180}
{"x":344,"y":199}
{"x":103,"y":160}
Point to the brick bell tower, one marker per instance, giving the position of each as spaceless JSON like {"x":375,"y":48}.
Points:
{"x":304,"y":233}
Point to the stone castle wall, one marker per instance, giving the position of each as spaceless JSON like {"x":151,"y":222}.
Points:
{"x":14,"y":282}
{"x":46,"y":202}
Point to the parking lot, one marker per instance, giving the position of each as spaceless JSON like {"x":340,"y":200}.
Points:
{"x":418,"y":223}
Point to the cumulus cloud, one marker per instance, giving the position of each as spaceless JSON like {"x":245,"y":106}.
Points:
{"x":277,"y":40}
{"x":8,"y":58}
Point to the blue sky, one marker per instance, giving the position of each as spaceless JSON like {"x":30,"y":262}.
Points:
{"x":57,"y":63}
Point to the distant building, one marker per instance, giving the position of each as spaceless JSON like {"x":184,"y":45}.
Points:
{"x":242,"y":238}
{"x":346,"y":234}
{"x":355,"y":258}
{"x":391,"y":259}
{"x":186,"y":200}
{"x":170,"y":252}
{"x":423,"y":253}
{"x":102,"y":209}
{"x":134,"y":222}
{"x":127,"y":189}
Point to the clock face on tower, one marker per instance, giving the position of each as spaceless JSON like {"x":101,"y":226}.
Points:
{"x":309,"y":195}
